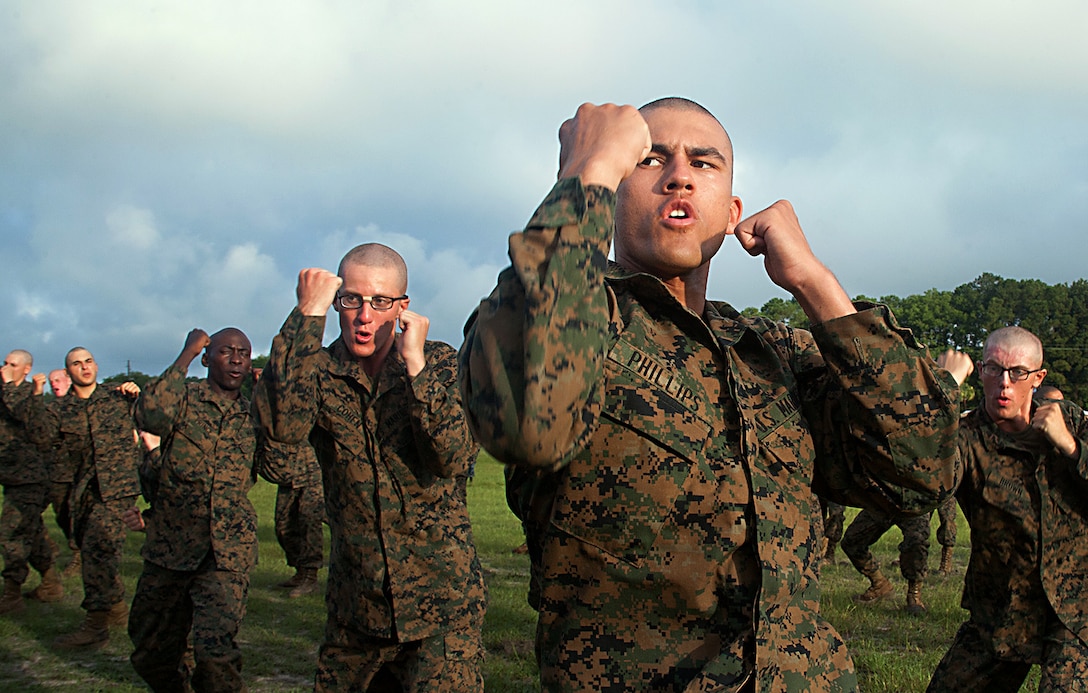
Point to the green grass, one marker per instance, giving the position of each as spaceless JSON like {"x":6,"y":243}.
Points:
{"x":894,"y":652}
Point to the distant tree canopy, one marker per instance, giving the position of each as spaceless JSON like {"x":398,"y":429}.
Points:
{"x":142,"y":378}
{"x":962,"y":318}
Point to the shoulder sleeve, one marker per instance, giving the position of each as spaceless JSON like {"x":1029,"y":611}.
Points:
{"x":285,"y":399}
{"x":534,"y":350}
{"x":884,"y":416}
{"x":162,"y":402}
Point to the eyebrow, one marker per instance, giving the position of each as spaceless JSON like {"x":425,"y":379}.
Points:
{"x":692,"y":152}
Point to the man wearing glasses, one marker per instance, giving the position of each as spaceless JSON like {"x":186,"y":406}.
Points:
{"x":1024,"y":488}
{"x":382,"y":410}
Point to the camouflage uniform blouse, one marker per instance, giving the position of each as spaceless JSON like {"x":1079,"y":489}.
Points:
{"x":402,"y":564}
{"x":205,"y":471}
{"x":678,"y":548}
{"x":94,"y":436}
{"x":21,"y":461}
{"x":1027,"y":505}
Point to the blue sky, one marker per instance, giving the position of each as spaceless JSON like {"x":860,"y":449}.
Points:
{"x":165,"y":165}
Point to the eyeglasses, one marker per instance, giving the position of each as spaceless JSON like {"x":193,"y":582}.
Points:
{"x":378,"y":303}
{"x":992,"y":370}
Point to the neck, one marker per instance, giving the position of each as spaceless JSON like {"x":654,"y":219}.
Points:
{"x":84,"y":391}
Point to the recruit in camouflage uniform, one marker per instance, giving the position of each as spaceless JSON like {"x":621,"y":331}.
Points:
{"x":865,"y":530}
{"x":1024,"y":492}
{"x":93,"y":426}
{"x":24,"y":474}
{"x":62,"y":474}
{"x":405,"y":591}
{"x":300,"y":511}
{"x":202,"y":531}
{"x":685,"y":444}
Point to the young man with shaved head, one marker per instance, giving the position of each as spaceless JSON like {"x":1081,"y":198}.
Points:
{"x":24,"y":474}
{"x":61,"y":475}
{"x":92,"y":429}
{"x":1024,"y":491}
{"x":202,"y":531}
{"x":382,"y":409}
{"x":667,"y":451}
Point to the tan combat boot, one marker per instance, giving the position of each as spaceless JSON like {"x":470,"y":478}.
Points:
{"x":292,"y":581}
{"x":117,"y":615}
{"x":93,"y":633}
{"x":49,"y":589}
{"x":946,"y":561}
{"x":879,"y":587}
{"x":914,"y":598}
{"x":75,"y":566}
{"x":307,"y":583}
{"x":11,"y":602}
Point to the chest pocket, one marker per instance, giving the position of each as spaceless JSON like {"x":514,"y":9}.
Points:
{"x":646,"y":452}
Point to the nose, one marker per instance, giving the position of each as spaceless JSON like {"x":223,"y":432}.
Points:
{"x":365,"y":313}
{"x":677,"y":175}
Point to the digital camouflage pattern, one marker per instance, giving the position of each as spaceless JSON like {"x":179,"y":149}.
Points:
{"x":402,"y":564}
{"x":300,"y":501}
{"x":205,"y":471}
{"x":168,"y":604}
{"x":201,"y":534}
{"x":96,"y":436}
{"x":834,"y":517}
{"x":681,"y":549}
{"x":22,"y":461}
{"x":867,"y":528}
{"x":300,"y":514}
{"x":23,"y":538}
{"x":24,"y":474}
{"x":946,"y":522}
{"x":1027,"y":507}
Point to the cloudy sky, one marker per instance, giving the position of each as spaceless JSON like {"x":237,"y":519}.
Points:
{"x":166,"y":165}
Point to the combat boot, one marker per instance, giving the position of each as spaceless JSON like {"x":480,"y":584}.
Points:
{"x":307,"y":583}
{"x":292,"y":581}
{"x":946,"y":561}
{"x":11,"y":602}
{"x":93,"y":633}
{"x":879,"y":587}
{"x":117,"y":615}
{"x":75,"y":565}
{"x":914,"y":598}
{"x":49,"y":589}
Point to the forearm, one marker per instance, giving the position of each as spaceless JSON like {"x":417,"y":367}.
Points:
{"x":534,"y":351}
{"x":443,"y":439}
{"x":285,"y":398}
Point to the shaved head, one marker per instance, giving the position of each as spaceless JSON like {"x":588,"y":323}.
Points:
{"x":1017,"y":339}
{"x":22,"y":356}
{"x":378,"y":256}
{"x":679,"y":103}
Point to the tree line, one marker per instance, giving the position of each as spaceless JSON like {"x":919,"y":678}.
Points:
{"x":961,"y":319}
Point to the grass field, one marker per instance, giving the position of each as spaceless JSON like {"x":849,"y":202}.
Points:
{"x":894,"y":652}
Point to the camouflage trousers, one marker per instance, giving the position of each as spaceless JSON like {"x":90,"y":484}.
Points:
{"x":100,"y":534}
{"x":60,"y":496}
{"x":446,"y":663}
{"x":167,"y":605}
{"x":946,"y":515}
{"x":869,"y":526}
{"x":300,"y":513}
{"x":23,"y":537}
{"x":971,"y":664}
